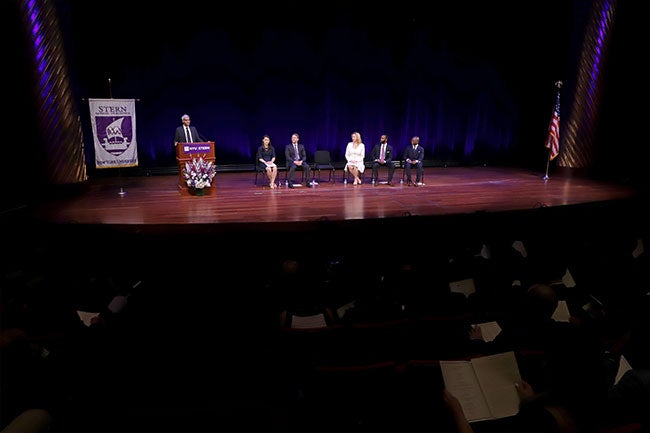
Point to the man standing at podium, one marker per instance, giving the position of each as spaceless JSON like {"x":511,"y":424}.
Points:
{"x":186,"y":133}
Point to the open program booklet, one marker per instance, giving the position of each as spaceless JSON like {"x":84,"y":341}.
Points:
{"x":484,"y":386}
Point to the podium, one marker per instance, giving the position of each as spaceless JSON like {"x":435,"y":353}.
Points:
{"x":186,"y":152}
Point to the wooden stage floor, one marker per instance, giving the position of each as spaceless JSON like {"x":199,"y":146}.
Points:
{"x":455,"y":201}
{"x":235,"y":199}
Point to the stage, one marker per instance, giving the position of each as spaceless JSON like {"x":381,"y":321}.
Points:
{"x":454,"y":204}
{"x":235,"y":199}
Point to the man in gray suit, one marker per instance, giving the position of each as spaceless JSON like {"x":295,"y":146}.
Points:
{"x":296,"y":157}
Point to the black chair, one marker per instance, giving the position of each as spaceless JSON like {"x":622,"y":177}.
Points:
{"x":396,"y":165}
{"x":259,"y":171}
{"x":323,"y":161}
{"x":298,"y":170}
{"x":403,"y":165}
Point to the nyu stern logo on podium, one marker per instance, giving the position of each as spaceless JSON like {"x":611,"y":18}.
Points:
{"x":196,"y":147}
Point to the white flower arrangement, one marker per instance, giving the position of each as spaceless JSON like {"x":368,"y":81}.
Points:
{"x":199,"y":173}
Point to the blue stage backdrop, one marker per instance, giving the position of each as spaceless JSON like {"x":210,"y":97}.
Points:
{"x":473,"y":79}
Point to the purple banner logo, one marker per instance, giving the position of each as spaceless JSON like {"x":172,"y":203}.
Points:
{"x":114,"y":133}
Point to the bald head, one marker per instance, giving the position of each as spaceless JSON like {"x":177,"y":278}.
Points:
{"x":543,"y":299}
{"x":290,"y":267}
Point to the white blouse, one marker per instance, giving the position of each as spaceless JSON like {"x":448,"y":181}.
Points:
{"x":355,"y":156}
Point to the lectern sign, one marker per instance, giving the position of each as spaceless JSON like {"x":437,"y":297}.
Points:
{"x":196,"y":148}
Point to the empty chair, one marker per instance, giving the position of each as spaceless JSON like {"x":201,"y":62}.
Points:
{"x":322,"y":161}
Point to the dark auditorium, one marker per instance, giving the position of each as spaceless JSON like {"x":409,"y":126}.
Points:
{"x":326,"y":217}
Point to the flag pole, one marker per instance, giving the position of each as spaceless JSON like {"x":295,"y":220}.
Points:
{"x":548,"y":162}
{"x":553,"y":139}
{"x":122,"y":193}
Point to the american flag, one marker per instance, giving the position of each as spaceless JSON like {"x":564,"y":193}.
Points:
{"x":553,"y":140}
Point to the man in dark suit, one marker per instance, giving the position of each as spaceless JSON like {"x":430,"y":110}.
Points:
{"x":413,"y":156}
{"x":296,"y":157}
{"x":186,"y":133}
{"x":382,"y":155}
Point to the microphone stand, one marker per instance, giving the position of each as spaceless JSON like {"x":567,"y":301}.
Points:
{"x":548,"y":162}
{"x":122,"y":193}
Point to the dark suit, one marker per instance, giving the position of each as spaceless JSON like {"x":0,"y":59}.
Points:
{"x":291,"y":157}
{"x":179,"y":137}
{"x":388,"y":161}
{"x":414,"y":154}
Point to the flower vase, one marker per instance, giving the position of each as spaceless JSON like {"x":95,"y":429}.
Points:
{"x":198,"y":191}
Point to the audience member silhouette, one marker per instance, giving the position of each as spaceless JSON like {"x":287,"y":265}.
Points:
{"x":29,"y":421}
{"x":529,"y":325}
{"x":629,"y":399}
{"x":299,"y":297}
{"x":534,"y":415}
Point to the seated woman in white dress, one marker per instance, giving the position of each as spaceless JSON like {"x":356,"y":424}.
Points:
{"x":355,"y":152}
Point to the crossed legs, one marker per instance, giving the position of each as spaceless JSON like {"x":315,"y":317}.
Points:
{"x":354,"y":171}
{"x":272,"y":173}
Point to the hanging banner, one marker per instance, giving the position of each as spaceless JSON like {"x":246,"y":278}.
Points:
{"x":113,"y":123}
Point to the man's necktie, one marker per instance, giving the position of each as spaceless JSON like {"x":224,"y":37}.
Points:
{"x":295,"y":149}
{"x":188,"y":134}
{"x":382,"y":154}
